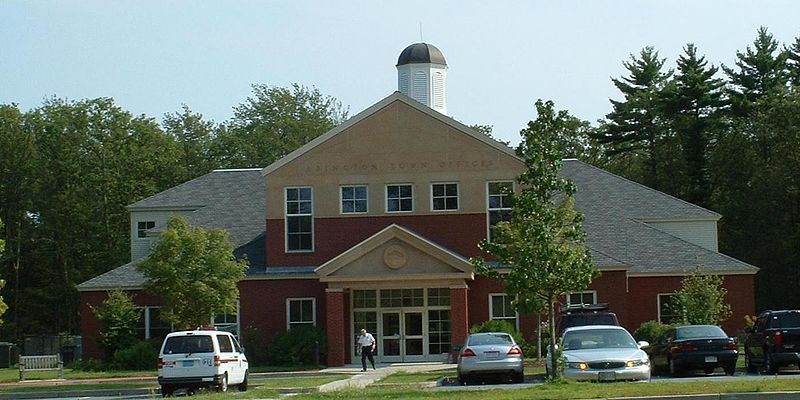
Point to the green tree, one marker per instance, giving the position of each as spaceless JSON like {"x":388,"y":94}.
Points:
{"x":194,"y":137}
{"x":636,"y":125}
{"x":759,"y":70}
{"x":119,"y":318}
{"x":17,"y":173}
{"x":3,"y":306}
{"x":793,"y":61}
{"x":692,"y":104}
{"x":701,"y":299}
{"x":194,"y":271}
{"x":94,"y":158}
{"x":543,"y":243}
{"x":273,"y":122}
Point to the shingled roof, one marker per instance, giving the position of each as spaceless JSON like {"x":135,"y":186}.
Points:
{"x":232,"y":199}
{"x":616,"y":210}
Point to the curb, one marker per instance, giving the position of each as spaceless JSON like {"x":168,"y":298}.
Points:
{"x":78,"y":393}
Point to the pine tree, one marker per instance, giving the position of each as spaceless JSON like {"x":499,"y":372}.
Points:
{"x":761,"y":69}
{"x":636,"y":124}
{"x":692,"y":102}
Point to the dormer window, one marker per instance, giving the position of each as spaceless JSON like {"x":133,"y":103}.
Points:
{"x":142,"y":227}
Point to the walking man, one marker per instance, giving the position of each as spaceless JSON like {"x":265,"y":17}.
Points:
{"x":367,"y":343}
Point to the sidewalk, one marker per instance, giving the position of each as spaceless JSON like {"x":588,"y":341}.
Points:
{"x":362,"y":379}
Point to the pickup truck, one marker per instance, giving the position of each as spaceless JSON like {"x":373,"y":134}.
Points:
{"x":773,"y":341}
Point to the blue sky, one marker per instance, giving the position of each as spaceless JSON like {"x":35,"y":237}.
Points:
{"x":153,"y":56}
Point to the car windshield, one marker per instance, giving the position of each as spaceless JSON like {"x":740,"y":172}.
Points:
{"x":787,"y":320}
{"x":695,"y":332}
{"x":189,"y":344}
{"x":490,"y":339}
{"x":598,"y":339}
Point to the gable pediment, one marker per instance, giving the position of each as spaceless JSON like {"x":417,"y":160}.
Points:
{"x":395,"y":253}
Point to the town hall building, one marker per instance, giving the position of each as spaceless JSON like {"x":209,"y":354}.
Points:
{"x":372,"y":225}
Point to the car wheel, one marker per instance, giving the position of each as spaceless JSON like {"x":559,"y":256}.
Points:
{"x":167,"y":390}
{"x":730,"y":369}
{"x":769,"y":364}
{"x":462,"y":379}
{"x":518,"y":377}
{"x":243,"y":386}
{"x":223,"y":385}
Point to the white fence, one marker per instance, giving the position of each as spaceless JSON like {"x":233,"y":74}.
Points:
{"x":41,"y":363}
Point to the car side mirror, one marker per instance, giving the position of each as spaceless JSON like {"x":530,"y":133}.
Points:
{"x":643,"y":344}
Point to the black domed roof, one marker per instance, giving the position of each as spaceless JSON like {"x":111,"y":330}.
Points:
{"x":421,"y":53}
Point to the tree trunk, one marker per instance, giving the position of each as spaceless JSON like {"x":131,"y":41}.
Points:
{"x":554,"y":373}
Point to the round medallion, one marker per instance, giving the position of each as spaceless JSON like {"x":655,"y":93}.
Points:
{"x":394,"y":257}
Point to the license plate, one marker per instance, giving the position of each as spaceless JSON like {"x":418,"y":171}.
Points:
{"x":187,"y":363}
{"x":492,"y":355}
{"x":711,"y":359}
{"x":607,"y":376}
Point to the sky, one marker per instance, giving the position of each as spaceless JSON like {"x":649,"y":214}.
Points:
{"x":152,"y":57}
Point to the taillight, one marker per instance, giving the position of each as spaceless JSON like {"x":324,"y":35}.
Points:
{"x":160,"y":362}
{"x":217,"y":363}
{"x":731,"y":346}
{"x":778,"y":339}
{"x":684,"y":348}
{"x":515,"y":351}
{"x":467,"y":353}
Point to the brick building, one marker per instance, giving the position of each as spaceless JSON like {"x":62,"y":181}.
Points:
{"x":372,"y":225}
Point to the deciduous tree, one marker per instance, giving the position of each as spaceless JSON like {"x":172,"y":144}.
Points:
{"x":194,"y":271}
{"x":543,"y":244}
{"x":701,"y":299}
{"x":273,"y":122}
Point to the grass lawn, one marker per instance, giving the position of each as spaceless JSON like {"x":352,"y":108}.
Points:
{"x":71,"y":387}
{"x":403,"y":377}
{"x":568,"y":390}
{"x":12,"y":374}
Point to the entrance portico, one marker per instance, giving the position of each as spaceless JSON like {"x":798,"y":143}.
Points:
{"x":409,"y":292}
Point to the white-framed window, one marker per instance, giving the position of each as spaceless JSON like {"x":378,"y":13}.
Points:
{"x":228,"y":322}
{"x":667,"y":312}
{"x":500,"y":308}
{"x":299,"y":219}
{"x":301,"y":311}
{"x":399,"y":198}
{"x":354,"y":199}
{"x":444,"y":196}
{"x":142,"y":227}
{"x":587,"y":297}
{"x":498,"y":203}
{"x":151,"y":326}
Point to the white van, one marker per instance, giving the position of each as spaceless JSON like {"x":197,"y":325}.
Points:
{"x":202,"y":358}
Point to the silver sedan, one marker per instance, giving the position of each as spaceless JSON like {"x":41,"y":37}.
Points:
{"x":491,"y":353}
{"x":603,"y":353}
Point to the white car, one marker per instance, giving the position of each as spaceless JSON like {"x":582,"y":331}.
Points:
{"x":202,"y":358}
{"x":603,"y":353}
{"x":491,"y":353}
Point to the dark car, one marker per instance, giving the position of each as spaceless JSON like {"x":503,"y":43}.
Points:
{"x":694,"y":347}
{"x":774,"y":341}
{"x":585,"y":314}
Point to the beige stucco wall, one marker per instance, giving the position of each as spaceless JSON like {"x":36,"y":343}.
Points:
{"x":397,"y":144}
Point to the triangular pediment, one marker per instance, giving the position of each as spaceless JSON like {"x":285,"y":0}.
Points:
{"x":395,"y":254}
{"x":399,"y":123}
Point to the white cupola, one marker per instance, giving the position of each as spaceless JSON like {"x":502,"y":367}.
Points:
{"x":422,"y":75}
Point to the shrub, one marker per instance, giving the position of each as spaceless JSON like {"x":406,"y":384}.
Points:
{"x":119,"y":317}
{"x":140,"y":356}
{"x":89,"y":365}
{"x":298,"y":346}
{"x":650,"y":331}
{"x":254,"y":345}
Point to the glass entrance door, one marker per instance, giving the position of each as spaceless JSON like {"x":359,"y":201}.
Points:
{"x":402,"y":336}
{"x":390,"y":337}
